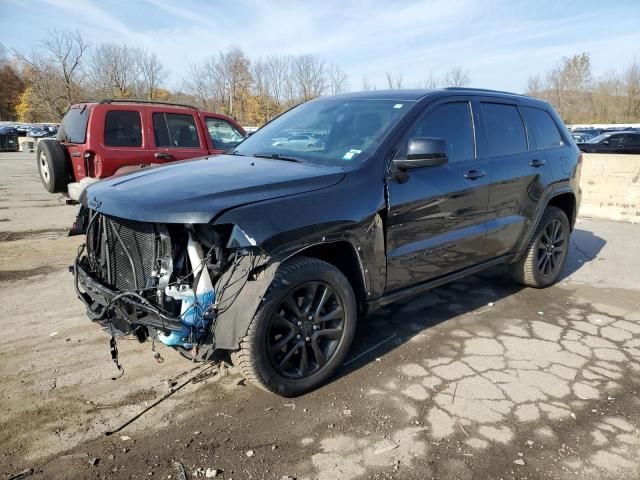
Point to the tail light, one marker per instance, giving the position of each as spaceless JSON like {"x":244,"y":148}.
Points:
{"x":90,"y":163}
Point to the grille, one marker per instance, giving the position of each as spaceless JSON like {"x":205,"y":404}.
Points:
{"x":131,"y":253}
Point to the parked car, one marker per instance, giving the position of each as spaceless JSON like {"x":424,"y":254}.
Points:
{"x":271,"y":253}
{"x":587,"y":131}
{"x":627,"y":141}
{"x":8,"y":139}
{"x":581,"y":137}
{"x":99,"y":140}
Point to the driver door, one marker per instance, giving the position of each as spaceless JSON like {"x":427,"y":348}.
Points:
{"x":437,"y":215}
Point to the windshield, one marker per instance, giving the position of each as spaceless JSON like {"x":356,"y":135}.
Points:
{"x":599,"y":138}
{"x":327,"y":132}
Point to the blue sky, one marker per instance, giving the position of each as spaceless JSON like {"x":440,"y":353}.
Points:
{"x":500,"y":42}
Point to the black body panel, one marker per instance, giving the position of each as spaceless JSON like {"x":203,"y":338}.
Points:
{"x":408,"y":230}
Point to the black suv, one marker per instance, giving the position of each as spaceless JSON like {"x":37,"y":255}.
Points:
{"x":271,"y":252}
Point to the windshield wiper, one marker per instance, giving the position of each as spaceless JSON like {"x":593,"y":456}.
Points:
{"x":277,"y":156}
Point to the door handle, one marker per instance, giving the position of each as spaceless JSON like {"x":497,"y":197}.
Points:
{"x":474,"y":174}
{"x":163,"y":155}
{"x":537,"y":163}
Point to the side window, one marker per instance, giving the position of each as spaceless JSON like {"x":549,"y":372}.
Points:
{"x":223,"y":135}
{"x":615,"y":140}
{"x":175,"y":130}
{"x":122,"y":129}
{"x":451,"y":122}
{"x":505,"y":131}
{"x":74,"y":126}
{"x":543,"y":128}
{"x":632,"y":140}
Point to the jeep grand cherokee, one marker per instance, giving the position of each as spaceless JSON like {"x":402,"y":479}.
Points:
{"x":272,"y":251}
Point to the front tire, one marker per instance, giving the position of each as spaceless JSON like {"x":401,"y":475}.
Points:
{"x":303,"y":330}
{"x":546,"y":253}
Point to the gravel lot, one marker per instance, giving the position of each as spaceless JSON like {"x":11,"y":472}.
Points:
{"x":481,"y":379}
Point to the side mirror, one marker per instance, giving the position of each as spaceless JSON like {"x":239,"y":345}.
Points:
{"x":423,"y":152}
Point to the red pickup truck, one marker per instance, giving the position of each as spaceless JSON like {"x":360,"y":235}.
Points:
{"x":112,"y":137}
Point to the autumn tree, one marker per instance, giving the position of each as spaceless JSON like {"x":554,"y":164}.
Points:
{"x":11,"y":86}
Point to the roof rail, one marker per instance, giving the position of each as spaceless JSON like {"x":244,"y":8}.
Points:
{"x":151,"y":102}
{"x":486,"y":90}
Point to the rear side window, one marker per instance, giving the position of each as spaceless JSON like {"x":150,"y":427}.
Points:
{"x":632,"y":140}
{"x":175,"y":130}
{"x":123,"y":129}
{"x":450,"y":122}
{"x":74,"y":126}
{"x":505,"y":130}
{"x":543,"y":128}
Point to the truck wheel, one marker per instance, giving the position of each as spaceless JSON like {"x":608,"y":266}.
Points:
{"x":53,"y":166}
{"x":302,"y":331}
{"x":546,"y":253}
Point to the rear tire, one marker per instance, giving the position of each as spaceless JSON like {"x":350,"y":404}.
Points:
{"x":53,"y":166}
{"x":546,"y":252}
{"x":303,"y":330}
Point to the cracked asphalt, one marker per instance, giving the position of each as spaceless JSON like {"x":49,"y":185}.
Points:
{"x":478,"y":379}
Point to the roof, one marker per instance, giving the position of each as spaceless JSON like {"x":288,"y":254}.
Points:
{"x":417,"y":94}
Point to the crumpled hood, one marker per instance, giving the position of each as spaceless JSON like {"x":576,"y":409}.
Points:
{"x":195,"y":191}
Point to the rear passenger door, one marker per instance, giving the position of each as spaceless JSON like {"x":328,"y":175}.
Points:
{"x":124,"y":146}
{"x":437,"y":215}
{"x":176,"y":136}
{"x":632,"y":143}
{"x":519,"y":175}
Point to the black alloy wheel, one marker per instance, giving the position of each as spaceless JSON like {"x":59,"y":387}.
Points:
{"x":302,"y":331}
{"x":551,"y":248}
{"x":543,"y":260}
{"x":305,"y":330}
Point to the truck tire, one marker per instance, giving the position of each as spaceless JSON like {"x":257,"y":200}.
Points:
{"x":546,"y":252}
{"x":53,"y":166}
{"x":303,"y":330}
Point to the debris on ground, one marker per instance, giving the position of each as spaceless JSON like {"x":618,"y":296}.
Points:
{"x":250,"y":453}
{"x":23,"y":474}
{"x":181,"y":473}
{"x":94,"y":461}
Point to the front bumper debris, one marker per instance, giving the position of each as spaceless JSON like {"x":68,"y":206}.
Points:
{"x":121,"y":312}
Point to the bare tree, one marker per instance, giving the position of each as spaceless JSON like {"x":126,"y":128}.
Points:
{"x":366,"y":84}
{"x":631,"y":80}
{"x":152,"y":73}
{"x":394,"y":82}
{"x":53,"y":71}
{"x":114,"y":70}
{"x":456,"y":77}
{"x":337,"y":78}
{"x":309,"y":75}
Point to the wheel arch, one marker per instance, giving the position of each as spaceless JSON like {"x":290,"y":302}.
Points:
{"x":564,"y":199}
{"x":566,"y":202}
{"x":344,"y":256}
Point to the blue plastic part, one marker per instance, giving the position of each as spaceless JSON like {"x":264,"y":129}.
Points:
{"x":194,"y":324}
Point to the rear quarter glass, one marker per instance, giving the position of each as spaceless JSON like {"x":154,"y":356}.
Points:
{"x":74,"y":125}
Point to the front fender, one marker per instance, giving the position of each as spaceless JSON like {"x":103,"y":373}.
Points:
{"x":284,"y":226}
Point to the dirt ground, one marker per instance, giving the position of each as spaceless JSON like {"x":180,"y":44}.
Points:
{"x":480,"y":379}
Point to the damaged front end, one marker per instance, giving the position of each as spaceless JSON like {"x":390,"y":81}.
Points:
{"x":192,"y":287}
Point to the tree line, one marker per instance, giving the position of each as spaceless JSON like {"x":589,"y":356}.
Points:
{"x":39,"y":85}
{"x":579,"y":97}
